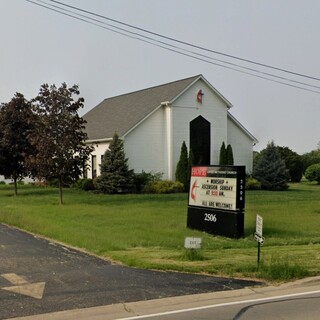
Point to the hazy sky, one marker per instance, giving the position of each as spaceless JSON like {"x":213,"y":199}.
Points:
{"x":41,"y":46}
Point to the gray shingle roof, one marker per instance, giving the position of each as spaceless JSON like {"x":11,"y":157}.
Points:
{"x":121,"y":113}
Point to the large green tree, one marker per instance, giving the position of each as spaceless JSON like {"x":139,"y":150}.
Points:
{"x":58,"y":135}
{"x":15,"y":126}
{"x":115,"y":174}
{"x":293,"y":162}
{"x":310,"y":158}
{"x":270,"y":169}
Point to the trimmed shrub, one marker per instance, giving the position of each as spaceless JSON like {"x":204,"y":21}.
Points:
{"x":182,"y":166}
{"x":252,"y":184}
{"x":140,"y":180}
{"x":230,"y":159}
{"x":223,"y":154}
{"x":85,"y":184}
{"x":313,"y":173}
{"x":164,"y":186}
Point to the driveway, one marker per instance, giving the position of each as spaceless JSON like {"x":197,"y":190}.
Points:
{"x":38,"y":276}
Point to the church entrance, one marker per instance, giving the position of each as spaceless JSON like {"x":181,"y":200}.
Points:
{"x":200,"y":140}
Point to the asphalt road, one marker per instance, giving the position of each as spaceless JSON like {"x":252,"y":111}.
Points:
{"x":38,"y":276}
{"x":297,"y":307}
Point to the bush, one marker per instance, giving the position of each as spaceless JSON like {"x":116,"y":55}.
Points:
{"x":252,"y":184}
{"x":164,"y":186}
{"x":313,"y":172}
{"x":85,"y":184}
{"x":140,"y":180}
{"x":2,"y":182}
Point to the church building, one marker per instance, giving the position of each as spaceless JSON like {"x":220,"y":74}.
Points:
{"x":154,"y":122}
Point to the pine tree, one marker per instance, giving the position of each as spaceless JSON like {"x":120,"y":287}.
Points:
{"x":229,"y":152}
{"x":223,"y":154}
{"x":182,"y":166}
{"x":271,"y":169}
{"x":190,"y":164}
{"x":115,"y":174}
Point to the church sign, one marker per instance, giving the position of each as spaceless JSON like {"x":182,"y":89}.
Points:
{"x":217,"y":200}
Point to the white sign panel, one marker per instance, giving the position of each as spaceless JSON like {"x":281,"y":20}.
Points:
{"x":192,"y":243}
{"x":210,"y":191}
{"x":259,"y":225}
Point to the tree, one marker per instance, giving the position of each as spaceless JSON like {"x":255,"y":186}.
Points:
{"x":115,"y":174}
{"x":270,"y":169}
{"x":223,"y":154}
{"x":190,"y":164}
{"x":58,"y":135}
{"x":15,"y":126}
{"x":313,"y":172}
{"x":310,"y":158}
{"x":226,"y":155}
{"x":182,"y":166}
{"x":229,"y":152}
{"x":293,"y":163}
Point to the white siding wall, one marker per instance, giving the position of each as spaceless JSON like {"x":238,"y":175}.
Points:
{"x":99,"y":150}
{"x":145,"y":146}
{"x":242,"y":145}
{"x":186,"y":108}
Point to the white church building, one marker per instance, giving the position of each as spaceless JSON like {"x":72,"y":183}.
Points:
{"x":154,"y":122}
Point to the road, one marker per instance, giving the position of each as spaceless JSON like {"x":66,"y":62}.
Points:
{"x":38,"y":276}
{"x":293,"y":307}
{"x":296,"y":300}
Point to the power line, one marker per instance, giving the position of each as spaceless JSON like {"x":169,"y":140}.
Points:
{"x":170,"y":47}
{"x":187,"y":43}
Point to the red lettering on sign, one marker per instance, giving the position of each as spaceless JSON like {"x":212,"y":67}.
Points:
{"x":199,"y":171}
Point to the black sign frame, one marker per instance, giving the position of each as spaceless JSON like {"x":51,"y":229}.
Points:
{"x":217,"y":200}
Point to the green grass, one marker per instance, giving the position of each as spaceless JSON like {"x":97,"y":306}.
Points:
{"x":148,"y":231}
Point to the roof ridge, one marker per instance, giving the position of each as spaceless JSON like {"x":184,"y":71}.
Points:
{"x":153,"y":87}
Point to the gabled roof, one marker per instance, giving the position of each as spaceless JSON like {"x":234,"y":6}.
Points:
{"x":237,"y":123}
{"x":121,"y":113}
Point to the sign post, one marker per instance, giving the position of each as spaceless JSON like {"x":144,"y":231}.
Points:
{"x":258,"y":235}
{"x":217,"y":199}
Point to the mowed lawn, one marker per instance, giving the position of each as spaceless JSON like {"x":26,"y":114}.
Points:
{"x":148,"y":231}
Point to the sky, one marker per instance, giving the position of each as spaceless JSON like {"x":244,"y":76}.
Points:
{"x":42,"y":46}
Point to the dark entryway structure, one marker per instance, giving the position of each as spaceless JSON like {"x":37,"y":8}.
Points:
{"x":200,"y":140}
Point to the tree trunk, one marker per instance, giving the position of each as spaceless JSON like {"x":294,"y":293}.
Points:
{"x":15,"y":185}
{"x":60,"y":190}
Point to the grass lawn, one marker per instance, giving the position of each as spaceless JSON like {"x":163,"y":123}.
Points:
{"x":148,"y":231}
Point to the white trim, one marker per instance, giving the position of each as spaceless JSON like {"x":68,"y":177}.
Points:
{"x":98,"y":140}
{"x":225,"y":100}
{"x":169,"y":139}
{"x":236,"y":122}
